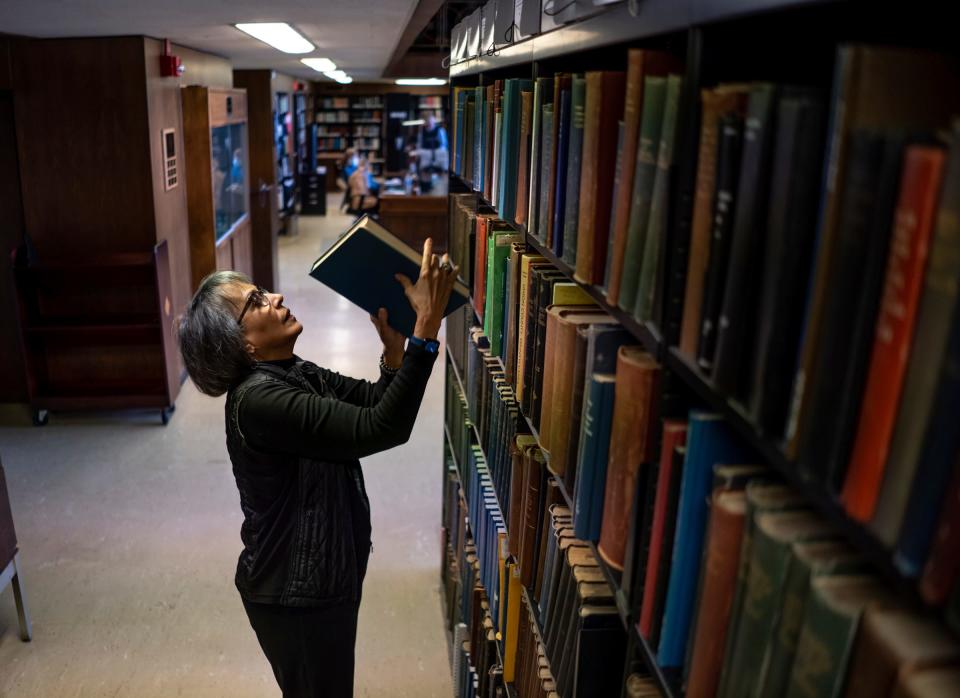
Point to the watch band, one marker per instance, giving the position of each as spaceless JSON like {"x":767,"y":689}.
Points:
{"x":431,"y":345}
{"x":387,"y":369}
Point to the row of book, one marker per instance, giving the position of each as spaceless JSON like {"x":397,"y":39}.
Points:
{"x":741,"y":589}
{"x":820,"y":287}
{"x":863,"y":389}
{"x":537,"y":317}
{"x":582,"y":162}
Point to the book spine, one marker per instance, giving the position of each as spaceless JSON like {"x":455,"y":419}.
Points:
{"x":894,"y":332}
{"x":546,"y":165}
{"x":923,"y":378}
{"x":623,"y":285}
{"x":588,"y":181}
{"x":740,"y":291}
{"x":523,"y":168}
{"x":634,"y":413}
{"x":618,"y":181}
{"x":655,"y":238}
{"x":533,"y":203}
{"x":719,"y":584}
{"x":560,"y":184}
{"x":728,"y":170}
{"x":626,"y":159}
{"x":942,"y":568}
{"x":713,"y":105}
{"x":574,"y":160}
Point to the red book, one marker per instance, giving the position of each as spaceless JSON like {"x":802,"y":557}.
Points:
{"x":943,"y":565}
{"x":674,"y":434}
{"x":912,"y":226}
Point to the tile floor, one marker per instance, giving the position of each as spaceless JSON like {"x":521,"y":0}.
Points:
{"x":129,"y":534}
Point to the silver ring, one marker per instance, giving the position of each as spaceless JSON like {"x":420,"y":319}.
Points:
{"x":447,"y":267}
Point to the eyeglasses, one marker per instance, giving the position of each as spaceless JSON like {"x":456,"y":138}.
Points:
{"x":256,"y":297}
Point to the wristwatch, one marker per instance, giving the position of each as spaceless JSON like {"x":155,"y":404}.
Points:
{"x":431,"y":345}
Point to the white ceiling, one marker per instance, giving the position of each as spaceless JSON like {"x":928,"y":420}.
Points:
{"x":358,"y":35}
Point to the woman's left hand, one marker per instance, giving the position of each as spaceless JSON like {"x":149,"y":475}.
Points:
{"x":393,"y":341}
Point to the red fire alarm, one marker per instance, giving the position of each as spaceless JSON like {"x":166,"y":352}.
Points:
{"x":170,"y":65}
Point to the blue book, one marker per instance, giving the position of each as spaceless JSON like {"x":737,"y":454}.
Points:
{"x":571,"y":214}
{"x":594,"y":450}
{"x":560,"y":193}
{"x":361,"y":264}
{"x":709,"y":441}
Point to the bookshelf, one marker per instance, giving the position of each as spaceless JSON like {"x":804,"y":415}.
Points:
{"x":708,"y":37}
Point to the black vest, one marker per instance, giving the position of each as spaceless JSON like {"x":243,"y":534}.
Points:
{"x":306,"y":527}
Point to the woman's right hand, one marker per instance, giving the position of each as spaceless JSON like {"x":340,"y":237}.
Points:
{"x":430,"y":295}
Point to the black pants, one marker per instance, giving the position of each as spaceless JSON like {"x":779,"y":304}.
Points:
{"x":311,"y":650}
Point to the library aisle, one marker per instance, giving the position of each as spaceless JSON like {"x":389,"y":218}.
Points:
{"x":129,"y":535}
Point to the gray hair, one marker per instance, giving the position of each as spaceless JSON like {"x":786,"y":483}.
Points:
{"x":211,"y":341}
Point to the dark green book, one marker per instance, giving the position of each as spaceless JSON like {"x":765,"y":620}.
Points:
{"x":830,"y":621}
{"x":645,"y":174}
{"x":761,"y":497}
{"x":808,"y":561}
{"x":546,"y":161}
{"x":578,"y":98}
{"x":773,"y":535}
{"x":498,"y":251}
{"x":655,"y":238}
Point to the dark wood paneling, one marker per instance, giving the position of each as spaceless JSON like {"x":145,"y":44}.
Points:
{"x":242,"y":251}
{"x":415,"y":218}
{"x":170,"y":207}
{"x":264,"y":221}
{"x":84,"y":146}
{"x":13,"y":385}
{"x":222,"y":113}
{"x":196,"y":157}
{"x":6,"y":65}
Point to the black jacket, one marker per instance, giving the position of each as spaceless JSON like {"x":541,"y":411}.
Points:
{"x":295,"y":432}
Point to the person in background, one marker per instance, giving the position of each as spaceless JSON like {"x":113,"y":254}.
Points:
{"x":363,"y":190}
{"x":432,"y":145}
{"x":349,"y":164}
{"x":295,"y":436}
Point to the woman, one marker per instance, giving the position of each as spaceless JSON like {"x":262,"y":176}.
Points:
{"x":295,"y":432}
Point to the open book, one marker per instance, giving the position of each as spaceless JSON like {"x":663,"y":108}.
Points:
{"x":360,"y":267}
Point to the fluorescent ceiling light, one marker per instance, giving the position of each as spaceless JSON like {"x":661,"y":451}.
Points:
{"x":338,"y":76}
{"x":280,"y":35}
{"x":321,"y":65}
{"x":413,"y":122}
{"x":421,"y":81}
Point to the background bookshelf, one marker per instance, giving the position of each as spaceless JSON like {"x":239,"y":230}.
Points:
{"x":354,"y":121}
{"x":286,"y":142}
{"x":711,"y":44}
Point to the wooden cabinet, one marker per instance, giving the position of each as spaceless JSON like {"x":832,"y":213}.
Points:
{"x":217,"y":168}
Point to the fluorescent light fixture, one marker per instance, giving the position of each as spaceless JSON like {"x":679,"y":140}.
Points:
{"x":321,"y":65}
{"x":413,"y":122}
{"x":280,"y":35}
{"x":421,"y":81}
{"x":338,"y":76}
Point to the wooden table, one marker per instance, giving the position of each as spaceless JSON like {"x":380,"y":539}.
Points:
{"x":415,"y":218}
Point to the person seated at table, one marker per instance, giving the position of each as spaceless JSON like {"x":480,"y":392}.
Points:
{"x":432,"y":146}
{"x":363,"y":189}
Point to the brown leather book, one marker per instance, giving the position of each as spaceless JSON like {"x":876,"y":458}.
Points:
{"x":714,"y":104}
{"x":632,"y":441}
{"x":561,"y":81}
{"x":535,"y":477}
{"x":523,"y":171}
{"x":892,"y":642}
{"x":640,"y":63}
{"x":563,"y":384}
{"x":518,"y":462}
{"x":719,"y":583}
{"x":604,"y":108}
{"x":552,"y":361}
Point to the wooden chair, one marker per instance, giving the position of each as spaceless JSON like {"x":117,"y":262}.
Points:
{"x":10,"y":570}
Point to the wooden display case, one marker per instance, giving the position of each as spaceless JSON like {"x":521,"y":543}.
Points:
{"x":218,"y":200}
